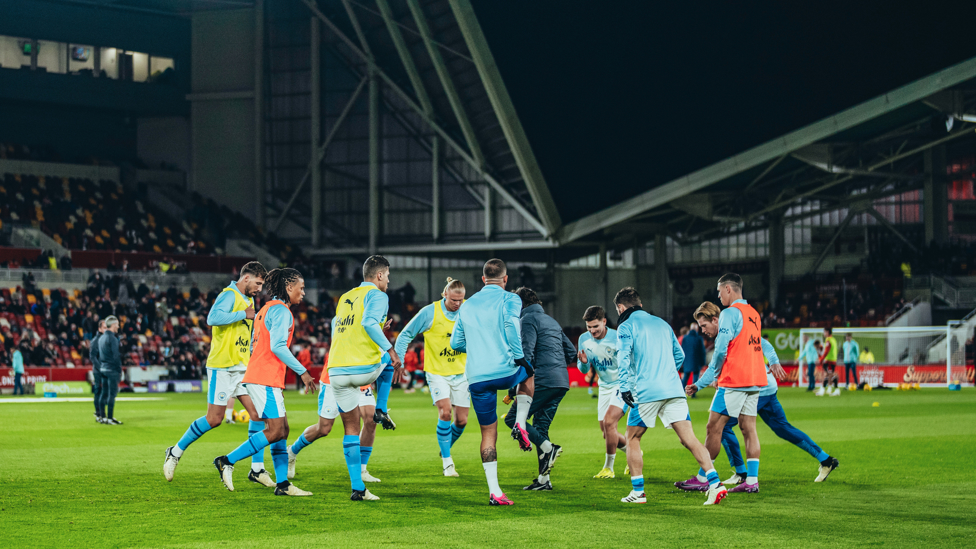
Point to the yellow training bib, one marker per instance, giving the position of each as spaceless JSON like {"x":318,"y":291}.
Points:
{"x":231,"y":345}
{"x":351,"y":345}
{"x":439,"y":357}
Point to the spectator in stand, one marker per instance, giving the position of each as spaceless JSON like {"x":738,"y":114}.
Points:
{"x":694,"y":348}
{"x":88,"y":325}
{"x":18,"y":364}
{"x":305,"y":355}
{"x":39,"y":355}
{"x":111,"y":360}
{"x":411,"y":363}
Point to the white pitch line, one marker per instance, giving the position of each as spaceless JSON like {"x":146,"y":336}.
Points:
{"x":68,"y":399}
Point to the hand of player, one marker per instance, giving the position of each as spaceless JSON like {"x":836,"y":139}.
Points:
{"x":524,"y":362}
{"x":249,"y":313}
{"x":389,"y":322}
{"x":628,"y":399}
{"x":691,"y":389}
{"x":778,"y":371}
{"x":398,"y":374}
{"x":581,"y":355}
{"x":394,"y":358}
{"x":310,"y":385}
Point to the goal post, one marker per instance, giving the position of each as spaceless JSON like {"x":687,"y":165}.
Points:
{"x":890,"y":356}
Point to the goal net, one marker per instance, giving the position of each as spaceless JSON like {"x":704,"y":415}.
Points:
{"x":932,"y":356}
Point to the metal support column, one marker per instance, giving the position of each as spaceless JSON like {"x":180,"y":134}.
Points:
{"x":604,"y":275}
{"x":777,"y":256}
{"x":316,"y":115}
{"x":935,"y":196}
{"x":259,"y":113}
{"x":430,"y":279}
{"x":659,"y":299}
{"x":489,"y":213}
{"x":374,"y":161}
{"x":435,"y":189}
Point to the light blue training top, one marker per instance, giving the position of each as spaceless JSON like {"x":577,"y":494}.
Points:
{"x":729,"y":326}
{"x":221,"y":314}
{"x":601,"y":354}
{"x":852,"y":351}
{"x":278,"y":320}
{"x":420,"y":324}
{"x":648,"y":355}
{"x":809,"y":353}
{"x":18,"y":362}
{"x":376,"y":305}
{"x":489,"y":330}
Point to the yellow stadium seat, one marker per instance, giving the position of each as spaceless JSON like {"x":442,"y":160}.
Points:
{"x":31,"y":299}
{"x":46,"y":292}
{"x":29,"y":318}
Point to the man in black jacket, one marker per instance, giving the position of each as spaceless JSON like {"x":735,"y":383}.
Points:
{"x":548,"y":349}
{"x":111,"y":360}
{"x":96,"y":370}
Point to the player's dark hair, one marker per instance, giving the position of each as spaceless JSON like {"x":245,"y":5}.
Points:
{"x":594,"y":312}
{"x":733,"y":280}
{"x":829,"y":330}
{"x":628,"y":297}
{"x":254,"y":268}
{"x":276,"y":282}
{"x":528,"y":296}
{"x":373,"y":265}
{"x":495,"y":269}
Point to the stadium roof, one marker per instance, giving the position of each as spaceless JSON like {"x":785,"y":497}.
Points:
{"x":876,"y":144}
{"x":453,"y":71}
{"x":178,"y":8}
{"x":435,"y":58}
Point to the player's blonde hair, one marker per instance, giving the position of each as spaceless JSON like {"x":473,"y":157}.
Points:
{"x":452,"y":285}
{"x":708,"y":310}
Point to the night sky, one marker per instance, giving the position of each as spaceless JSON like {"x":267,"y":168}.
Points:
{"x":619,"y":97}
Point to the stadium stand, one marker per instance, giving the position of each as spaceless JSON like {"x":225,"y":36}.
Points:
{"x":54,"y":327}
{"x":160,"y":326}
{"x":86,"y":215}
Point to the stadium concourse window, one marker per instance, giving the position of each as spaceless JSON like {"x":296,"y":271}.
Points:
{"x":108,"y":61}
{"x":15,"y":52}
{"x":83,"y":59}
{"x":52,"y":56}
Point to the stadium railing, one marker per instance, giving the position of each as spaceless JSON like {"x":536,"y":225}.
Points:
{"x":80,"y":276}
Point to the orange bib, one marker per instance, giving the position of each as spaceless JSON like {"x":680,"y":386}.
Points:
{"x":744,"y":365}
{"x":265,"y":368}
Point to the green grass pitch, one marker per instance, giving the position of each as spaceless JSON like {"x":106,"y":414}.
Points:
{"x":905,"y":480}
